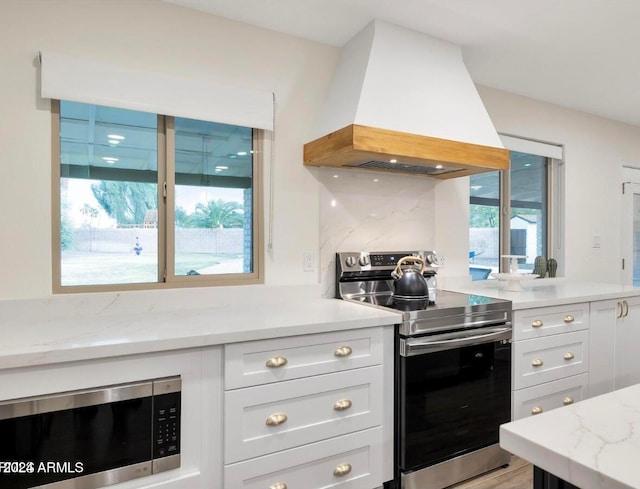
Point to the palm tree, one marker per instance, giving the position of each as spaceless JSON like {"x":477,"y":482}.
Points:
{"x":216,"y":214}
{"x":126,"y":202}
{"x":90,"y":213}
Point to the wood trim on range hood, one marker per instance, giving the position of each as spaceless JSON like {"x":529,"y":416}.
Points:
{"x":369,"y":148}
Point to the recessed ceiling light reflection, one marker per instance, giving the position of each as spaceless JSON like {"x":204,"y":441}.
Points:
{"x":109,"y":159}
{"x":376,"y":180}
{"x":241,"y":153}
{"x":114,"y":141}
{"x":393,"y":161}
{"x":335,"y":176}
{"x":439,"y":167}
{"x":222,"y":167}
{"x":333,"y":203}
{"x":115,"y":136}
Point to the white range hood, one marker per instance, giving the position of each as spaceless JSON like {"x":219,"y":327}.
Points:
{"x":403,"y":101}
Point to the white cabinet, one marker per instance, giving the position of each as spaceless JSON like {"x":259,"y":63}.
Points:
{"x":309,"y":411}
{"x":551,"y":395}
{"x":294,"y":357}
{"x":614,"y":339}
{"x":350,"y":461}
{"x":545,"y":321}
{"x":550,"y":358}
{"x":273,"y":417}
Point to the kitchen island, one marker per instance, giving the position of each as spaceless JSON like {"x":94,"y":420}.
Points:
{"x":593,"y":444}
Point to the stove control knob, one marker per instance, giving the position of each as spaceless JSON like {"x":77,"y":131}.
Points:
{"x":350,"y":261}
{"x":431,"y":259}
{"x":363,"y":261}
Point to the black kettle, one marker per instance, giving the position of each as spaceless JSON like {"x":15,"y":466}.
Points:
{"x":410,"y":283}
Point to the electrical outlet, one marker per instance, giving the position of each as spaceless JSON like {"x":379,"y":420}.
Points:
{"x":308,"y":261}
{"x":597,"y":241}
{"x":442,"y":260}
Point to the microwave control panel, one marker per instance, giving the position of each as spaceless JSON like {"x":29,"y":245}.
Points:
{"x":166,"y":425}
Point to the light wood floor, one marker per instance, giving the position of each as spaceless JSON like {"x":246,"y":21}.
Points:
{"x":518,"y":475}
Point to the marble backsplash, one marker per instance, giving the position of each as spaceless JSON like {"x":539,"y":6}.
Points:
{"x":370,"y":211}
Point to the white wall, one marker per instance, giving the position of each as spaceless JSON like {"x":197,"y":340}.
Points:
{"x":166,"y":38}
{"x":157,"y":37}
{"x":594,"y":150}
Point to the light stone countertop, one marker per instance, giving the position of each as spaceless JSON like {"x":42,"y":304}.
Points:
{"x":593,"y":444}
{"x":90,"y":326}
{"x":546,"y":291}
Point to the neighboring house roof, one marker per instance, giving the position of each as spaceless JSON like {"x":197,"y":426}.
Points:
{"x":531,"y":219}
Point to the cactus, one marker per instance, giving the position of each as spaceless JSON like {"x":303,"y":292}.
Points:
{"x":540,"y":266}
{"x":552,"y":267}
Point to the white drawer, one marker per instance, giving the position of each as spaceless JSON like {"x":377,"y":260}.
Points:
{"x":309,"y":406}
{"x":552,"y":395}
{"x":544,"y":321}
{"x":300,"y":356}
{"x":549,"y":358}
{"x":313,"y":466}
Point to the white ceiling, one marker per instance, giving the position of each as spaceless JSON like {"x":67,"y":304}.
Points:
{"x":582,"y":54}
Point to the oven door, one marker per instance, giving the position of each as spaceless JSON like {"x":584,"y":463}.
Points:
{"x":454,"y":393}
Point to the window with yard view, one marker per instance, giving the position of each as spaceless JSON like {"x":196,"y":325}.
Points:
{"x":152,"y":199}
{"x":510,"y":215}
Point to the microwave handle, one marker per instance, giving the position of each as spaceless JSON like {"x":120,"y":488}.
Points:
{"x":431,"y":344}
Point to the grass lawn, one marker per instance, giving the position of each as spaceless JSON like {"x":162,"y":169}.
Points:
{"x":84,"y":268}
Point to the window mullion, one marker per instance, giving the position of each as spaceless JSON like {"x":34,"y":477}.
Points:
{"x":168,"y":184}
{"x":505,"y":221}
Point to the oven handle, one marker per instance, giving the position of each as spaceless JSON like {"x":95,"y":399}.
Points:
{"x":449,"y":341}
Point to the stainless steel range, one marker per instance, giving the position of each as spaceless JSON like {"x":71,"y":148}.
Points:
{"x":453,"y":371}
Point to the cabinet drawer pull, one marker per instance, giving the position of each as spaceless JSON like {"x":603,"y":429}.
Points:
{"x":569,"y":318}
{"x":536,"y":410}
{"x":342,"y":405}
{"x":567,"y":400}
{"x":276,"y":419}
{"x":537,"y":363}
{"x":537,"y":323}
{"x":275,"y":362}
{"x":343,"y":351}
{"x":626,"y":308}
{"x":568,"y":356}
{"x":278,"y":485}
{"x":342,"y":470}
{"x":619,"y":310}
